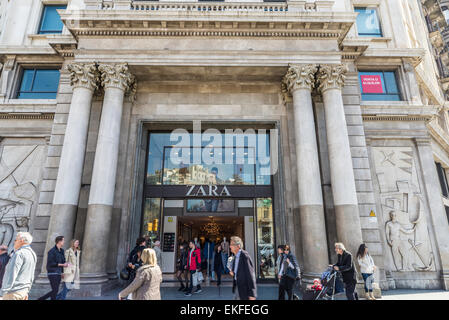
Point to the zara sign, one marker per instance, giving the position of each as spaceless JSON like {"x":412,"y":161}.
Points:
{"x":207,"y":191}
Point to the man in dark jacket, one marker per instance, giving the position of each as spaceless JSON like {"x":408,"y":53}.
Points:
{"x":55,"y":267}
{"x":345,"y":265}
{"x":4,"y":258}
{"x":244,"y":283}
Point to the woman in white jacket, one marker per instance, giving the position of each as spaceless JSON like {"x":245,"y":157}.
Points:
{"x":367,"y":269}
{"x":71,"y":278}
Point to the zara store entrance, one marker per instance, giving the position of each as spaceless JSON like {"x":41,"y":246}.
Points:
{"x":210,"y":192}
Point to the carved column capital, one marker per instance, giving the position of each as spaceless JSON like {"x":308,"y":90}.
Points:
{"x":299,"y":77}
{"x":331,"y":76}
{"x":117,"y":76}
{"x":84,"y":75}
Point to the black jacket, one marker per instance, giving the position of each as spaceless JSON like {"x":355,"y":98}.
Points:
{"x":246,"y":277}
{"x":296,"y":270}
{"x":54,"y":258}
{"x":181,"y":263}
{"x":345,"y":265}
{"x":4,"y":258}
{"x":218,"y":263}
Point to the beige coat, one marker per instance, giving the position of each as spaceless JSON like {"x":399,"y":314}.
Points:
{"x":146,"y":285}
{"x":72,"y":273}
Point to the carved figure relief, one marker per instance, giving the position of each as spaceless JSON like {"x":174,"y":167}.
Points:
{"x":20,"y":167}
{"x":403,"y":209}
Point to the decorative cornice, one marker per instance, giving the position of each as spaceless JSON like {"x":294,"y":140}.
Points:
{"x":118,"y":76}
{"x":210,"y":19}
{"x":395,"y":118}
{"x":84,"y":75}
{"x":299,"y":77}
{"x":331,"y":77}
{"x":28,"y":116}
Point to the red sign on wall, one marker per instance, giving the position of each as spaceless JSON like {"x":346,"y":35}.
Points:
{"x":372,"y":84}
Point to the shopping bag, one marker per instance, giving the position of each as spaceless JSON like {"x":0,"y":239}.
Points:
{"x":200,"y":276}
{"x":195,"y":279}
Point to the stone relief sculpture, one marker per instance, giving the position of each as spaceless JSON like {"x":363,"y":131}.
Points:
{"x":403,"y":209}
{"x":19,"y":175}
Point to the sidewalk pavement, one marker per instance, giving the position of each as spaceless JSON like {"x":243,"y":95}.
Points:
{"x":270,"y":292}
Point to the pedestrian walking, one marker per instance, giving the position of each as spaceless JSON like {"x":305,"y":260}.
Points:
{"x":289,"y":272}
{"x":193,"y":266}
{"x":367,"y":269}
{"x":19,"y":272}
{"x":55,"y":264}
{"x":157,"y":249}
{"x":242,"y":272}
{"x":345,"y":265}
{"x":147,"y":283}
{"x":181,"y":264}
{"x":218,"y":264}
{"x":71,"y":278}
{"x":134,"y":258}
{"x":4,"y":258}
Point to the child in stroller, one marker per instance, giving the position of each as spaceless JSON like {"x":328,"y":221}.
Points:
{"x":324,"y":288}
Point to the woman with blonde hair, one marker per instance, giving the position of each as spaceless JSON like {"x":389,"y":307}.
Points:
{"x":71,"y":278}
{"x":146,"y":285}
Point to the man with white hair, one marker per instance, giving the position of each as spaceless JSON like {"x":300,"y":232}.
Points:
{"x":242,"y":270}
{"x":345,"y":265}
{"x":19,"y":273}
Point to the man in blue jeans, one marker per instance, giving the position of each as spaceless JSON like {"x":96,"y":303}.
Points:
{"x":55,"y":264}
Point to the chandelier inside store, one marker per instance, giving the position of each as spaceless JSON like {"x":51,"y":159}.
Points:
{"x":211,"y":228}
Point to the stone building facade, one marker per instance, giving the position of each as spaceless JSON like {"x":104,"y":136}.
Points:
{"x":349,"y":89}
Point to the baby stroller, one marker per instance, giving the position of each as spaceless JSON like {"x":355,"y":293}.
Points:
{"x":330,"y":286}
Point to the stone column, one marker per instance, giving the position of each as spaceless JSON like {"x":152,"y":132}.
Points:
{"x":116,"y":80}
{"x":300,"y":81}
{"x":84,"y":79}
{"x":331,"y":80}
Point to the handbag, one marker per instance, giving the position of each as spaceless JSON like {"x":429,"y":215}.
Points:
{"x":124,"y":274}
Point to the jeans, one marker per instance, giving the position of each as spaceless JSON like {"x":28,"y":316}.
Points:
{"x":224,"y":258}
{"x":368,"y":278}
{"x":55,"y":281}
{"x":63,"y":294}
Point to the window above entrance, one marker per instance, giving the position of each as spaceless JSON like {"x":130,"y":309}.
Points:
{"x":237,"y":159}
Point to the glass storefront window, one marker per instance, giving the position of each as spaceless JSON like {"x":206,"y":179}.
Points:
{"x":246,"y":162}
{"x":240,"y":171}
{"x":265,"y":238}
{"x":151,"y":217}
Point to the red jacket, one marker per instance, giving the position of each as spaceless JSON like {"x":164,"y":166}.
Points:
{"x":194,"y":259}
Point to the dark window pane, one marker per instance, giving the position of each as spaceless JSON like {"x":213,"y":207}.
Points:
{"x":443,"y":181}
{"x":447,"y":212}
{"x":51,"y":21}
{"x":368,"y":22}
